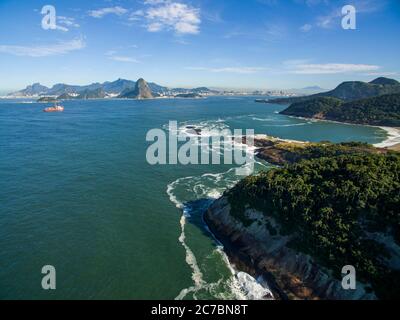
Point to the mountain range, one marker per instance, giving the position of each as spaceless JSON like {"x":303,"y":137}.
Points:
{"x":351,"y":90}
{"x":374,"y":103}
{"x":114,"y":88}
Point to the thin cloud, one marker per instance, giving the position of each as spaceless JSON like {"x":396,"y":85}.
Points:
{"x":306,"y":28}
{"x":113,"y":55}
{"x":312,"y":3}
{"x":239,"y":70}
{"x":64,"y":23}
{"x":382,"y":74}
{"x":331,"y":68}
{"x":44,"y":50}
{"x":67,"y":21}
{"x":328,"y":21}
{"x":275,"y":31}
{"x":100,"y":13}
{"x":123,"y":59}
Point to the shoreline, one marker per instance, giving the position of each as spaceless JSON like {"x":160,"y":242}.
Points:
{"x":392,"y":141}
{"x":289,"y":275}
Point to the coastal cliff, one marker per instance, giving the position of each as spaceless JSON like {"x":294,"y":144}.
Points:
{"x":260,"y":252}
{"x":326,"y":206}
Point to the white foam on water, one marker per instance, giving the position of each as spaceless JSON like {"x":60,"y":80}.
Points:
{"x":200,"y":191}
{"x":211,"y":186}
{"x":242,"y":285}
{"x":262,"y":119}
{"x":191,"y":260}
{"x":250,"y":289}
{"x":289,"y":125}
{"x":172,"y":197}
{"x":209,"y":128}
{"x":392,"y":139}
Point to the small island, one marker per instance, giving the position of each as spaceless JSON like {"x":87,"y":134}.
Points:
{"x":47,"y":99}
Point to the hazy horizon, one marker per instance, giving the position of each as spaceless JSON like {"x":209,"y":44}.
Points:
{"x":8,"y":91}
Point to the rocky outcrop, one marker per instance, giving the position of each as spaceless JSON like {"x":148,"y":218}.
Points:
{"x":47,"y":99}
{"x":141,"y":91}
{"x":260,"y":249}
{"x":280,"y":151}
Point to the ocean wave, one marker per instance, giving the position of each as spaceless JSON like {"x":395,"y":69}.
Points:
{"x":211,"y":186}
{"x":290,"y":125}
{"x":262,"y":119}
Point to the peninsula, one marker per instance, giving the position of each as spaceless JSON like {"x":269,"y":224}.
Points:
{"x":326,"y":206}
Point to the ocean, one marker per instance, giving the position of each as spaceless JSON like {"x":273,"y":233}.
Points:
{"x":76,"y":192}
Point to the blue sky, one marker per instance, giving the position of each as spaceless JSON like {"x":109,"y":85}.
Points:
{"x":216,"y":43}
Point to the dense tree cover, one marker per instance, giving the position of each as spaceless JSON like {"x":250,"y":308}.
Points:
{"x":381,"y":110}
{"x":310,"y":108}
{"x":283,"y":152}
{"x":332,"y":206}
{"x":385,"y":81}
{"x":329,"y":149}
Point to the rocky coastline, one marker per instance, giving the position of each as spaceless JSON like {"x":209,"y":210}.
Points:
{"x":289,"y":274}
{"x":258,"y":248}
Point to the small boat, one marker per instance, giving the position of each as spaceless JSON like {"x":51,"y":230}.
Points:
{"x":261,"y":100}
{"x":55,"y":108}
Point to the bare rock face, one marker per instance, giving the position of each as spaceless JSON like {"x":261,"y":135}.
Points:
{"x":141,"y":91}
{"x":290,"y":274}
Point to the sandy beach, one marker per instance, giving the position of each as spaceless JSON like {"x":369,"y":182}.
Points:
{"x":393,"y":140}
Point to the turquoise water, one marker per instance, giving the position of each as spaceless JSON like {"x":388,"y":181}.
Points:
{"x":76,"y":192}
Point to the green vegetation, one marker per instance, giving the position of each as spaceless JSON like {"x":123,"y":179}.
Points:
{"x":350,"y":91}
{"x":311,"y":108}
{"x":383,"y":110}
{"x":282,"y":152}
{"x":188,"y":95}
{"x":331,"y":205}
{"x":47,"y":99}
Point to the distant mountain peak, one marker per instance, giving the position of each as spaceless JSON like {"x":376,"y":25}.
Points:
{"x":384,"y":81}
{"x":118,"y":87}
{"x":31,"y":90}
{"x":141,"y":91}
{"x":351,"y":90}
{"x":313,"y":88}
